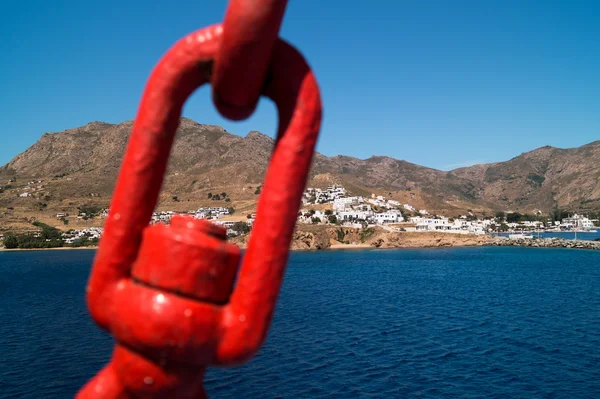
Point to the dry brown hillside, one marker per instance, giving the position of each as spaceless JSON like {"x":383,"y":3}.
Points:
{"x":80,"y":165}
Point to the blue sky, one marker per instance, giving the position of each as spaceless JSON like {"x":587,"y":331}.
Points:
{"x":442,"y":83}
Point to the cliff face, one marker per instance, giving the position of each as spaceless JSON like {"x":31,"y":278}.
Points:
{"x":305,"y":238}
{"x":83,"y":162}
{"x":314,"y":238}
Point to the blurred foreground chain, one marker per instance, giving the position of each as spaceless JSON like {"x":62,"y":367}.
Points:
{"x":171,"y":295}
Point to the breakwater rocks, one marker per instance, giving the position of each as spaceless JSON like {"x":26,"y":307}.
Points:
{"x":547,"y":243}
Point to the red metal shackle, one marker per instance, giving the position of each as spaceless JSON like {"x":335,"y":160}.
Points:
{"x":250,"y":29}
{"x":166,"y":293}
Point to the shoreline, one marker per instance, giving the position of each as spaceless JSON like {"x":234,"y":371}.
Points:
{"x":335,"y":247}
{"x":351,"y":247}
{"x":426,"y":241}
{"x":2,"y":249}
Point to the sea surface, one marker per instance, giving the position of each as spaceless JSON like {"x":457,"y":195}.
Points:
{"x":428,"y":323}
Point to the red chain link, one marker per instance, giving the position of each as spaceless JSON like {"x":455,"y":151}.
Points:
{"x":250,"y":29}
{"x":166,"y":293}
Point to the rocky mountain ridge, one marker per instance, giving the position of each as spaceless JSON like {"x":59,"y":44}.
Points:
{"x":84,"y":162}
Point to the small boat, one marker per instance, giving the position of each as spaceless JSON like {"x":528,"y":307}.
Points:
{"x":520,"y":236}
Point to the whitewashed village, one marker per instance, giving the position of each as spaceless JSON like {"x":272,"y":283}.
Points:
{"x":335,"y":206}
{"x":377,"y":210}
{"x":364,"y":212}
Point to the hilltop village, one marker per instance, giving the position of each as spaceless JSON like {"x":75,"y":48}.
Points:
{"x":377,"y":210}
{"x":332,"y":206}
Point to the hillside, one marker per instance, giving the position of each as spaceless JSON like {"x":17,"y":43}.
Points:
{"x":541,"y":179}
{"x":80,"y":166}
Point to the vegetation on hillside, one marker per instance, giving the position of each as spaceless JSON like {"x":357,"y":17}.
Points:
{"x":48,"y":237}
{"x":219,"y":197}
{"x":86,"y":240}
{"x":365,"y":234}
{"x":88,"y":211}
{"x":241,"y":227}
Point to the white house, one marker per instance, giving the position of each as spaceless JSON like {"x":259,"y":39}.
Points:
{"x":424,"y":224}
{"x":387,"y":217}
{"x":577,"y":221}
{"x":225,"y":223}
{"x":340,"y":204}
{"x":354,"y":214}
{"x":362,"y":207}
{"x":336,"y":191}
{"x":319,"y":196}
{"x":92,"y":232}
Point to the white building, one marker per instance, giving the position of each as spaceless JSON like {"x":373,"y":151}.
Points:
{"x":578,"y":222}
{"x":318,"y":196}
{"x":387,"y":217}
{"x":354,"y":214}
{"x":340,"y":204}
{"x":212,"y":213}
{"x":75,"y":235}
{"x":336,"y":191}
{"x":468,"y":227}
{"x":164,"y":216}
{"x":379,"y":203}
{"x":425,"y":224}
{"x":225,"y":223}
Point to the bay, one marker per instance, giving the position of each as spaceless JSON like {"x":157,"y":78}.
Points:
{"x":488,"y":322}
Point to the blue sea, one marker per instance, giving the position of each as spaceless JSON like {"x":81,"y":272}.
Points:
{"x":430,"y":323}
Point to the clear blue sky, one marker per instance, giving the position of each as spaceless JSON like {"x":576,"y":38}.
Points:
{"x":440,"y":83}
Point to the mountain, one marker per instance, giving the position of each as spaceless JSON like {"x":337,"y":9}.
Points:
{"x":83,"y":163}
{"x":542,"y":179}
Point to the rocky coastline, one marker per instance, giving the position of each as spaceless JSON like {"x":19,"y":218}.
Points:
{"x":319,"y":238}
{"x":316,"y":238}
{"x":547,"y":243}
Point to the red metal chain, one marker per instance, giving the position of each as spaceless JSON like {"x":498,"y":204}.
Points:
{"x":250,"y":29}
{"x":167,"y":293}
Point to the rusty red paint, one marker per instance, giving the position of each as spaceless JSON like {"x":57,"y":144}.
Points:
{"x":166,"y":293}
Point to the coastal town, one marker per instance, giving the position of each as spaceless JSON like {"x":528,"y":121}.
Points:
{"x":363,"y":212}
{"x":377,"y":210}
{"x":334,"y":206}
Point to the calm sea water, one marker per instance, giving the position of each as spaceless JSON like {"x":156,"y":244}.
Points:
{"x":443,"y":323}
